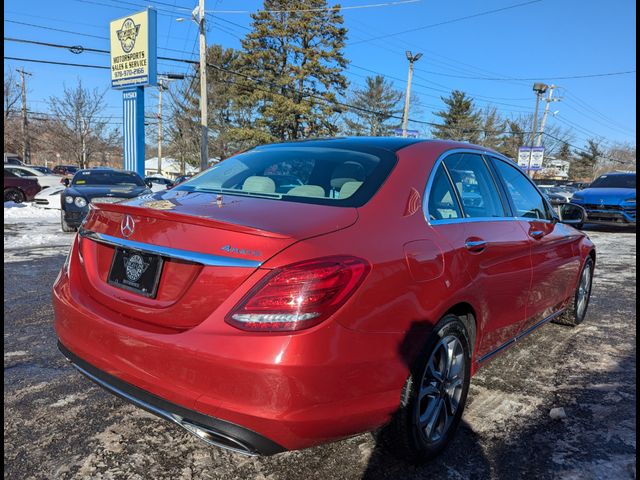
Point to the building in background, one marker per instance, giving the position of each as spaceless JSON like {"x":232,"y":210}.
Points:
{"x":170,"y":167}
{"x":554,"y":169}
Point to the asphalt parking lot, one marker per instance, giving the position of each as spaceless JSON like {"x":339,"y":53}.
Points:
{"x":57,"y":424}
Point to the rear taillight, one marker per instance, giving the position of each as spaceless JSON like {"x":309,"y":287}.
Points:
{"x":300,"y":295}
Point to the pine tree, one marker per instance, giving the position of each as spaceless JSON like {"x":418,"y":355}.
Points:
{"x":379,"y":102}
{"x":584,"y":167}
{"x":225,"y":115}
{"x":460,"y":121}
{"x":493,"y":126}
{"x":293,"y":54}
{"x":514,"y":138}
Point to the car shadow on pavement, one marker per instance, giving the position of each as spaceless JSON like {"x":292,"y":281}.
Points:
{"x":463,"y":454}
{"x":596,"y":438}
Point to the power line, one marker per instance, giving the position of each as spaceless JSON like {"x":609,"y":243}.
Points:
{"x":446,"y":22}
{"x":558,"y":77}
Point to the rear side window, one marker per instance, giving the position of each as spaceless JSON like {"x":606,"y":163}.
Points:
{"x":442,"y":199}
{"x":526,"y":199}
{"x":324,"y":176}
{"x":475,"y":185}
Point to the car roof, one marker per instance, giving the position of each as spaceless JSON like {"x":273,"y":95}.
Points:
{"x":617,"y":173}
{"x":350,"y":143}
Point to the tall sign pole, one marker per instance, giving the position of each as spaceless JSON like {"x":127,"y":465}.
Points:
{"x":204,"y":138}
{"x":133,"y":67}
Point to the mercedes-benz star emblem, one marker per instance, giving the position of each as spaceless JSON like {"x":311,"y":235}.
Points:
{"x":134,"y":267}
{"x":127,"y":225}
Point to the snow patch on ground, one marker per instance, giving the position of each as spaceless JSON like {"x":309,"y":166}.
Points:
{"x":29,"y":213}
{"x":30,"y":231}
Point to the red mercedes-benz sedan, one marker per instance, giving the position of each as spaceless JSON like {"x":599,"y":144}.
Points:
{"x":304,"y":292}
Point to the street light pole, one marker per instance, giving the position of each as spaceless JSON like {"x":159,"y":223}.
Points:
{"x":160,"y":87}
{"x":539,"y":88}
{"x":548,"y":100}
{"x":204,"y":145}
{"x":405,"y":115}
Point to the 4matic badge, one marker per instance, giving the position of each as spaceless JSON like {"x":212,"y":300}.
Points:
{"x":128,"y":34}
{"x":240,"y":251}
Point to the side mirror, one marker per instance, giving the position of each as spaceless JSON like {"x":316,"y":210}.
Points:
{"x":572,"y":214}
{"x":66,"y":182}
{"x":148,"y":183}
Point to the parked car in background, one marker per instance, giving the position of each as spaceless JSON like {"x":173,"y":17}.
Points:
{"x":179,"y":180}
{"x":19,"y":189}
{"x":44,"y":179}
{"x":555,"y":194}
{"x":367,"y":297}
{"x":158,"y":183}
{"x":96,"y":185}
{"x":49,"y":197}
{"x":45,"y":170}
{"x":65,"y":170}
{"x":12,"y":159}
{"x":610,"y":199}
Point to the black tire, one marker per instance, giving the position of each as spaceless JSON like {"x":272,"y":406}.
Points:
{"x":579,"y":226}
{"x":64,"y":225}
{"x":575,"y":313}
{"x":404,"y":436}
{"x":14,"y":195}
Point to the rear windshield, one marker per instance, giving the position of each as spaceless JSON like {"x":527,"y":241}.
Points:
{"x":324,"y":176}
{"x":89,"y":177}
{"x":615,"y":181}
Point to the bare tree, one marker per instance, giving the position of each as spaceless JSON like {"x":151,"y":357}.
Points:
{"x":11,"y":99}
{"x":79,"y":123}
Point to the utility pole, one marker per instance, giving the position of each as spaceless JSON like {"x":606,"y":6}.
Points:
{"x":204,"y":145}
{"x":83,"y":138}
{"x":405,"y":115}
{"x":549,"y":99}
{"x":540,"y":89}
{"x":26,"y":151}
{"x":160,"y":87}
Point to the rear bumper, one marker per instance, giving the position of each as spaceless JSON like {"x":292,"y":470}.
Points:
{"x":297,"y":391}
{"x":209,"y":429}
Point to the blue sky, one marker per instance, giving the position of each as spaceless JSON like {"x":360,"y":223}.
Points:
{"x":544,"y":39}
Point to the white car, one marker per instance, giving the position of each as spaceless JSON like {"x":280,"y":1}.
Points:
{"x":49,"y":197}
{"x":45,"y":180}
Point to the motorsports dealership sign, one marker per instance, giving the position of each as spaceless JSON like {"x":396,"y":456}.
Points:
{"x":133,"y":50}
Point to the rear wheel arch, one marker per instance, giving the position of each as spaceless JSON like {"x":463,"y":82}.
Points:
{"x":467,"y":315}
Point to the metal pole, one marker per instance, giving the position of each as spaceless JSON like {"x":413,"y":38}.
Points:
{"x":533,"y":130}
{"x":83,"y":130}
{"x":26,"y":153}
{"x":160,"y":87}
{"x":405,"y":115}
{"x":204,"y":140}
{"x":544,"y":115}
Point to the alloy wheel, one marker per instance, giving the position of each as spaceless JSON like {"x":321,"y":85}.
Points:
{"x":584,"y":290}
{"x":441,"y":389}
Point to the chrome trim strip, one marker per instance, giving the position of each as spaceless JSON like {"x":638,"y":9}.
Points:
{"x":189,"y":256}
{"x":521,"y":335}
{"x":197,"y":431}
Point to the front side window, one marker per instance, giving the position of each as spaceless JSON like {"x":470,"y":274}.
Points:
{"x":526,"y":199}
{"x":324,"y":176}
{"x":475,"y":186}
{"x":442,"y":199}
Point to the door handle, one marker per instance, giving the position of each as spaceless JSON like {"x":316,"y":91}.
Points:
{"x":476,"y":245}
{"x":537,"y":234}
